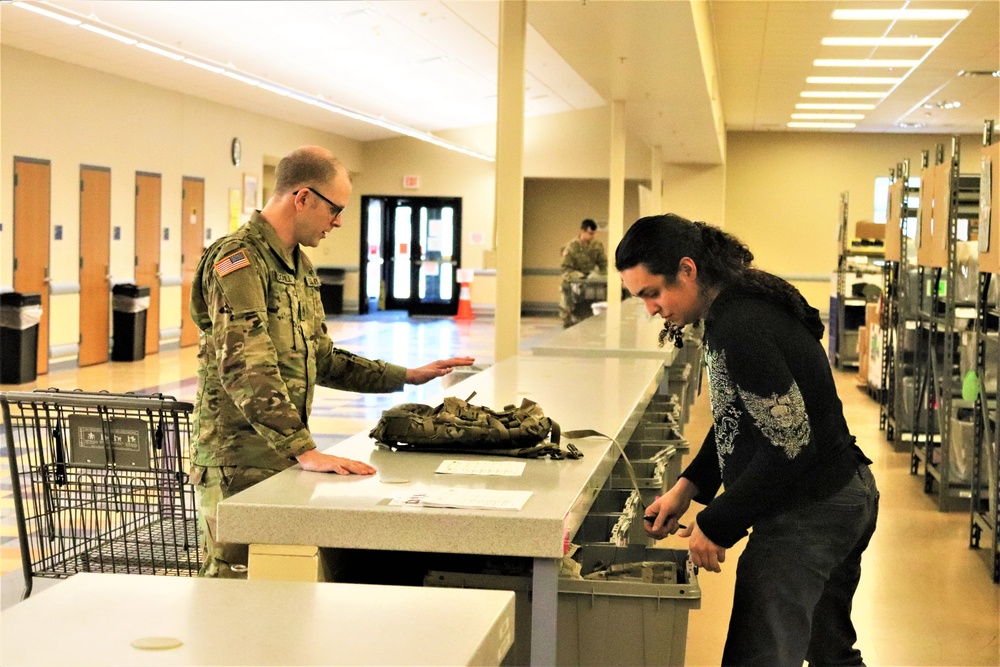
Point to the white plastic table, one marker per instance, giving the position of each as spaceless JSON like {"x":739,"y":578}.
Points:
{"x":93,"y":619}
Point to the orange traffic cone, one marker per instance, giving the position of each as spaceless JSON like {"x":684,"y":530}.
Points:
{"x":465,"y":304}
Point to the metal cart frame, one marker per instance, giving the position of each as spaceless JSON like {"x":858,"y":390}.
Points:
{"x":100,"y":483}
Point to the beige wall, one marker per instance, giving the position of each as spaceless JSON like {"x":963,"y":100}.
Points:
{"x":70,"y":116}
{"x":575,"y":144}
{"x":783,"y":193}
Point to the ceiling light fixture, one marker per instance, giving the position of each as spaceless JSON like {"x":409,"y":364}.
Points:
{"x":979,"y":72}
{"x":900,"y":14}
{"x":859,"y":80}
{"x":204,"y":66}
{"x":820,"y":125}
{"x":843,"y":94}
{"x":910,"y":126}
{"x":828,"y":116}
{"x":107,"y":33}
{"x":834,"y":105}
{"x":33,"y":7}
{"x":943,"y":105}
{"x":881,"y":41}
{"x":239,"y":77}
{"x":864,"y":63}
{"x":270,"y":87}
{"x":158,"y":51}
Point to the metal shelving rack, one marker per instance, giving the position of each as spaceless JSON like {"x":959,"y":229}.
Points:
{"x":985,"y":505}
{"x":847,"y":312}
{"x":940,"y":393}
{"x":895,"y":319}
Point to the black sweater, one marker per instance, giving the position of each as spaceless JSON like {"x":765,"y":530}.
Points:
{"x":779,"y":438}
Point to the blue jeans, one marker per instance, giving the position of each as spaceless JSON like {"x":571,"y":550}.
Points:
{"x":796,"y":580}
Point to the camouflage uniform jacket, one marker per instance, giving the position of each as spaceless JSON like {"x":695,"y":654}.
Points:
{"x":579,"y":259}
{"x":263,"y":348}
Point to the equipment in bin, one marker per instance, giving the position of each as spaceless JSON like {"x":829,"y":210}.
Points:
{"x":582,"y":293}
{"x":100,"y":483}
{"x":458,"y":426}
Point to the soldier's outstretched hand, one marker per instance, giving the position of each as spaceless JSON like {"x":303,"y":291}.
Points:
{"x":436,"y":369}
{"x":314,"y":461}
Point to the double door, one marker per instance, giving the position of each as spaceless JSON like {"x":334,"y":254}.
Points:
{"x":411,"y":248}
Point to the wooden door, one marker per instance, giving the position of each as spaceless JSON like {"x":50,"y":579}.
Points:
{"x":95,"y":264}
{"x":147,"y":250}
{"x":32,"y":230}
{"x":192,"y":245}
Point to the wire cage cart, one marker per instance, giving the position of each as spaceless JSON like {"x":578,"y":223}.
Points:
{"x":100,"y":483}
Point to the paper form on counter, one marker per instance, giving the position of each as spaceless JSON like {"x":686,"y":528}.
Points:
{"x":504,"y":468}
{"x":481,"y":499}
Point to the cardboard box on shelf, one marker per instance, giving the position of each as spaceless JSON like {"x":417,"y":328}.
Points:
{"x":873,"y":313}
{"x":863,"y":355}
{"x":865,"y":229}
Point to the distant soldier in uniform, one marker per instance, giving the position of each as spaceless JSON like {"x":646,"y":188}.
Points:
{"x":581,"y":257}
{"x":264,"y":347}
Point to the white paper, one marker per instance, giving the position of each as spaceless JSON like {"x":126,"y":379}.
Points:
{"x":483,"y":499}
{"x":504,"y":468}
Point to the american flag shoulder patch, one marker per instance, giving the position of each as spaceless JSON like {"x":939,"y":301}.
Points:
{"x":230,"y":263}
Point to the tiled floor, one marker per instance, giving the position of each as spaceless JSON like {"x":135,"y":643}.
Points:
{"x":925,"y":597}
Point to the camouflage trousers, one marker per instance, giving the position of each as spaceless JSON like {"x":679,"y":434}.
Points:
{"x":567,"y":302}
{"x":212,"y":485}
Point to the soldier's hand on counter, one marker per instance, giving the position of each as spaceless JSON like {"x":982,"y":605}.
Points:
{"x":314,"y":461}
{"x":436,"y":369}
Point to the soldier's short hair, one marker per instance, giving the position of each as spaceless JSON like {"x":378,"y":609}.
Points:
{"x":589,"y":225}
{"x":305,"y":166}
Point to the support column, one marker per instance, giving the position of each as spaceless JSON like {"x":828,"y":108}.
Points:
{"x":616,"y":212}
{"x":509,"y":176}
{"x":656,"y":180}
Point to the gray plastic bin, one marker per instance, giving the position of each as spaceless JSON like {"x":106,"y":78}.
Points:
{"x":602,"y":622}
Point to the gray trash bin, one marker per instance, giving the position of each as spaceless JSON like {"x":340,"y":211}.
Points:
{"x":19,"y":317}
{"x":129,"y":304}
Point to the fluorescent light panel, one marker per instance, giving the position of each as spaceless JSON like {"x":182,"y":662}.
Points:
{"x":828,"y":116}
{"x":107,"y":33}
{"x":820,"y":125}
{"x":204,"y":66}
{"x":900,"y":14}
{"x":32,"y":7}
{"x":881,"y":41}
{"x":859,"y":80}
{"x":825,"y":62}
{"x":843,"y":94}
{"x":834,"y":105}
{"x":158,"y":51}
{"x":239,"y":77}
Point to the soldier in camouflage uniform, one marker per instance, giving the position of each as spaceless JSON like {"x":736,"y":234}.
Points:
{"x":581,"y":257}
{"x":264,"y":347}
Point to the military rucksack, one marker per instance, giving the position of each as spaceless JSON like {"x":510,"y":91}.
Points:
{"x":458,"y":426}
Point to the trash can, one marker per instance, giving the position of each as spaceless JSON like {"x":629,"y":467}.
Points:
{"x":331,"y":289}
{"x":19,"y":317}
{"x":129,"y":304}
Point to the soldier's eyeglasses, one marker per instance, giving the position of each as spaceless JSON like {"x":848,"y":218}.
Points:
{"x":335,"y":209}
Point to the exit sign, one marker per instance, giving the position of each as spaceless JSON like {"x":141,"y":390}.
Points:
{"x":411,"y":182}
